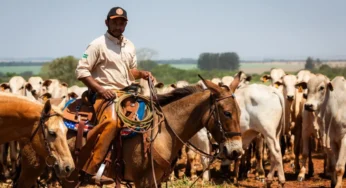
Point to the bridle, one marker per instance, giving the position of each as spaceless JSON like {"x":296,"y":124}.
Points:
{"x":214,"y":111}
{"x":44,"y":117}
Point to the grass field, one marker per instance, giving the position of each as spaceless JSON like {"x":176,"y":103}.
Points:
{"x":20,"y":69}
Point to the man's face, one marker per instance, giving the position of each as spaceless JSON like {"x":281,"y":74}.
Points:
{"x":116,"y":26}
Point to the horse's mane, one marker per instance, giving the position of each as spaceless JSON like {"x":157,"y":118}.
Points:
{"x":25,"y":102}
{"x":177,"y":94}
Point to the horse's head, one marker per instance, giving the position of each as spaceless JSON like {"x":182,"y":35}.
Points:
{"x":224,"y":118}
{"x":53,"y":134}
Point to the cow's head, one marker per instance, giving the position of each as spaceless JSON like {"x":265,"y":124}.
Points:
{"x":288,"y":83}
{"x":317,"y":87}
{"x":34,"y":85}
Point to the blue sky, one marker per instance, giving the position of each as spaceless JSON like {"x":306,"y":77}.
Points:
{"x":180,"y":28}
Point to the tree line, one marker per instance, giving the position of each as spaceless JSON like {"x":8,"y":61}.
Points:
{"x":222,"y":61}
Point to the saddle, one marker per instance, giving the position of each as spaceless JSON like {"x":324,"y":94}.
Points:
{"x":80,"y":110}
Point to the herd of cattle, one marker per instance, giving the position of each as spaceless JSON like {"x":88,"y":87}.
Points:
{"x":294,"y":111}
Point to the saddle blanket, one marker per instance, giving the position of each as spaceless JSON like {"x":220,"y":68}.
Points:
{"x":125,"y":132}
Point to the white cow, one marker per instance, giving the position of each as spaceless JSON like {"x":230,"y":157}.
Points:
{"x":76,"y":91}
{"x":216,"y":81}
{"x":34,"y":87}
{"x":275,"y":76}
{"x":55,"y":88}
{"x":227,"y":80}
{"x":17,"y":85}
{"x":256,"y":102}
{"x":328,"y":100}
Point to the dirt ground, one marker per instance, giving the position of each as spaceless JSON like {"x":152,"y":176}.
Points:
{"x":318,"y":180}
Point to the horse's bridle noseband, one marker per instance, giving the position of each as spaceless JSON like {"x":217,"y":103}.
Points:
{"x":44,"y":117}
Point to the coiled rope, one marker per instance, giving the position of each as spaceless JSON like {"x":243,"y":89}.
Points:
{"x":130,"y":123}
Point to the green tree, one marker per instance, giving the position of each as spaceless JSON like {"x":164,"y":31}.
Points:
{"x":62,"y":69}
{"x":223,"y":61}
{"x":309,"y":63}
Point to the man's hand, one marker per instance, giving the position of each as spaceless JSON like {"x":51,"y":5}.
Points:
{"x":107,"y":94}
{"x":146,"y":74}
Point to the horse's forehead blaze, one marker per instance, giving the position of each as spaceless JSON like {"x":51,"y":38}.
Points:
{"x":56,"y":124}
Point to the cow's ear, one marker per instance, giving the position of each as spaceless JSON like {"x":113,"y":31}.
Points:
{"x":173,"y":86}
{"x":248,"y":78}
{"x":330,"y":86}
{"x":72,"y":95}
{"x":277,"y":84}
{"x":265,"y":78}
{"x":159,"y":85}
{"x":301,"y":85}
{"x":5,"y":86}
{"x":28,"y":86}
{"x":64,"y":84}
{"x":46,"y":83}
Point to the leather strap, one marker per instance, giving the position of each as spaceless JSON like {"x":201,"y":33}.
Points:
{"x":79,"y":138}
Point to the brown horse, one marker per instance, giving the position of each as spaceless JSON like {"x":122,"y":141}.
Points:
{"x":186,"y":110}
{"x":36,"y":126}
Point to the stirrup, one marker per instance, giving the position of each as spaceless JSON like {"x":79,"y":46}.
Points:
{"x":99,"y":173}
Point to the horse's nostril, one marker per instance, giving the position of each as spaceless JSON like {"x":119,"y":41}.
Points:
{"x":68,"y":169}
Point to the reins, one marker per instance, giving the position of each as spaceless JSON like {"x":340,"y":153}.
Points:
{"x":44,"y":117}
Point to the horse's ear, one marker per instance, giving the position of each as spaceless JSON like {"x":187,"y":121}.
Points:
{"x":47,"y":107}
{"x":215,"y":89}
{"x":234,"y":85}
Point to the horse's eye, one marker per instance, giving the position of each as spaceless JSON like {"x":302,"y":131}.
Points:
{"x":52,"y":133}
{"x":321,"y":88}
{"x":228,"y":114}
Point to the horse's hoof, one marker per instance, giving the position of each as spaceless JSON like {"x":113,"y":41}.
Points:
{"x":300,"y":179}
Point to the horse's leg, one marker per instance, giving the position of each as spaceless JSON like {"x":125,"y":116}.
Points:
{"x":13,"y":156}
{"x":3,"y":161}
{"x":31,"y":167}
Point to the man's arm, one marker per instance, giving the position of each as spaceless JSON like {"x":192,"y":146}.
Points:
{"x":93,"y":85}
{"x":138,"y":74}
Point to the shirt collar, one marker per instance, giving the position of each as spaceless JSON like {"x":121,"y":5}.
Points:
{"x":116,"y":40}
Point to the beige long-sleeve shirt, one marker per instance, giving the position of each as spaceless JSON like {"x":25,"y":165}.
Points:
{"x":108,"y":62}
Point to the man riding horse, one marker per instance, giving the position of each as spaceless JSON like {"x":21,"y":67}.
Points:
{"x":108,"y":65}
